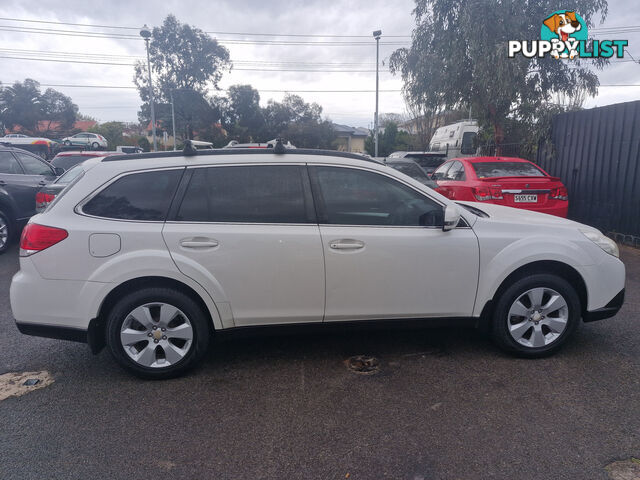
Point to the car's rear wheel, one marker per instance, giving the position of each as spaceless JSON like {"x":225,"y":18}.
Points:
{"x":157,"y":333}
{"x":95,"y":145}
{"x":6,"y":232}
{"x":536,"y":315}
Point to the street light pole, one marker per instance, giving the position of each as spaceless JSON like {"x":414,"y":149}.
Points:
{"x":377,"y":34}
{"x":173,"y":122}
{"x":146,"y":34}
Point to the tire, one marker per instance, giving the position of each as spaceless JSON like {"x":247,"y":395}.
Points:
{"x":6,"y":232}
{"x":67,"y":143}
{"x":95,"y":146}
{"x":550,"y":315}
{"x":131,"y":341}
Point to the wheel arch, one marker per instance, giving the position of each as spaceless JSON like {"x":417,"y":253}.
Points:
{"x":96,"y":331}
{"x":554,"y":267}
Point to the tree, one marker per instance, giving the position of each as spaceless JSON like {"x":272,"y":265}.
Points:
{"x":20,"y":104}
{"x":23,"y":104}
{"x":389,"y":141}
{"x":185,"y":61}
{"x":458,"y":57}
{"x":242,"y":116}
{"x":57,"y":107}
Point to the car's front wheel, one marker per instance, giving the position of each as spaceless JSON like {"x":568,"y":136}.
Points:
{"x":157,"y":333}
{"x":67,"y":142}
{"x":536,"y":315}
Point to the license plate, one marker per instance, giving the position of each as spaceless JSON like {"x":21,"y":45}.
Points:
{"x":525,"y":198}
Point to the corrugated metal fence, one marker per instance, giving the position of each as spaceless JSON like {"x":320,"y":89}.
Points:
{"x":596,"y":154}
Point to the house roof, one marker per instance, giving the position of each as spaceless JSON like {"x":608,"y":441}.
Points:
{"x":343,"y":130}
{"x":53,"y":126}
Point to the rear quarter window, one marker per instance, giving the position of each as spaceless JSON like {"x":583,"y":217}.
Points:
{"x":137,"y":196}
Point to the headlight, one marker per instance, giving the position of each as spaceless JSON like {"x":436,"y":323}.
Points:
{"x":605,"y":243}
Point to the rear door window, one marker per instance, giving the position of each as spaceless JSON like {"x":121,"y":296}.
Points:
{"x":455,"y":173}
{"x":8,"y":164}
{"x":247,"y":194}
{"x":34,"y":166}
{"x":138,"y":196}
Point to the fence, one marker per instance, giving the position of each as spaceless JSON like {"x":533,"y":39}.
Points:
{"x":596,"y":154}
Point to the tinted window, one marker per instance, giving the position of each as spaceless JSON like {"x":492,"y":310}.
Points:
{"x":68,"y":161}
{"x":70,"y":175}
{"x":411,"y":169}
{"x":257,"y":194}
{"x":358,"y":197}
{"x":468,"y":138}
{"x":456,"y":172}
{"x":8,"y":164}
{"x":506,"y":169}
{"x":33,"y":166}
{"x":426,"y":161}
{"x":139,"y":196}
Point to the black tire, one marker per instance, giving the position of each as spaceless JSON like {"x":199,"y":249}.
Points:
{"x":5,"y":240}
{"x":198,"y":319}
{"x":67,"y":143}
{"x":95,"y":146}
{"x":500,"y":321}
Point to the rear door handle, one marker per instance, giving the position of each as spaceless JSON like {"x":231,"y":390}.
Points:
{"x":198,"y":243}
{"x":346,"y":244}
{"x":2,"y":183}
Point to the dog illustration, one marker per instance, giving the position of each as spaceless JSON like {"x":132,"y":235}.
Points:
{"x":563,"y":25}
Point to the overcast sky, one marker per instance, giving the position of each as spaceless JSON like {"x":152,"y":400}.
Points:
{"x":333,"y":17}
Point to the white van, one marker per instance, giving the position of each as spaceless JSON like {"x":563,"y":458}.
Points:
{"x":456,"y":139}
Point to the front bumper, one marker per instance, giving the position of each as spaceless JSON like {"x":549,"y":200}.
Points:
{"x":608,"y":311}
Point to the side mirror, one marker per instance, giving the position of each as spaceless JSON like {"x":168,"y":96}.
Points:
{"x":451,"y":217}
{"x":59,"y":171}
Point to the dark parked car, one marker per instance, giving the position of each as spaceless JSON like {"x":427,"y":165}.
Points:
{"x":429,"y":161}
{"x":66,"y":160}
{"x":22,"y":174}
{"x":48,"y":193}
{"x":411,"y":168}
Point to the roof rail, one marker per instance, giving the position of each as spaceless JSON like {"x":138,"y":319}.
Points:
{"x":240,"y":151}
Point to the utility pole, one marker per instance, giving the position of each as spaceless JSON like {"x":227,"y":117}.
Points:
{"x":146,"y":34}
{"x":377,"y":34}
{"x":173,"y":122}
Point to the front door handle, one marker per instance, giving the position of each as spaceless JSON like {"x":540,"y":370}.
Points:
{"x":346,"y":244}
{"x":198,"y":243}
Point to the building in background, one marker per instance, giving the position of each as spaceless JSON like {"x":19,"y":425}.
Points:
{"x":350,"y":139}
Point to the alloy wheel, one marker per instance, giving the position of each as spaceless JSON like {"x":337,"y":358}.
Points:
{"x":156,"y":335}
{"x":538,"y":317}
{"x":4,"y":232}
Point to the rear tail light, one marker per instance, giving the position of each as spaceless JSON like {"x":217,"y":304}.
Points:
{"x":43,"y":200}
{"x":38,"y":237}
{"x":559,"y":193}
{"x":483,"y":194}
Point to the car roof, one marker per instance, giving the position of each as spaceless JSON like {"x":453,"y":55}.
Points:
{"x":180,"y":158}
{"x":87,"y":153}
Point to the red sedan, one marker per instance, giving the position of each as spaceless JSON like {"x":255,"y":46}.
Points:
{"x":513,"y":182}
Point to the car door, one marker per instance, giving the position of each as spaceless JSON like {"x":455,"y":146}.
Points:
{"x":37,"y":174}
{"x":386,"y":254}
{"x":14,"y":187}
{"x":248,"y":234}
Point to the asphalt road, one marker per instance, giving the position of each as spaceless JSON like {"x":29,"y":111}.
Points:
{"x":445,"y":405}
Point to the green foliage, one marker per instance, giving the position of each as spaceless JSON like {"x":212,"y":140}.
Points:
{"x":458,"y":57}
{"x":112,"y":131}
{"x":23,"y":104}
{"x":389,"y":141}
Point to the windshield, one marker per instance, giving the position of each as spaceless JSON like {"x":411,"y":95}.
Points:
{"x":411,"y":169}
{"x":425,"y":160}
{"x":70,"y":175}
{"x":68,"y":161}
{"x":506,"y":169}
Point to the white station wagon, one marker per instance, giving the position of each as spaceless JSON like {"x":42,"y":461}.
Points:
{"x":151,"y":254}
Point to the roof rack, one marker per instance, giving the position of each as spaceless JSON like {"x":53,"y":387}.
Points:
{"x":190,"y":151}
